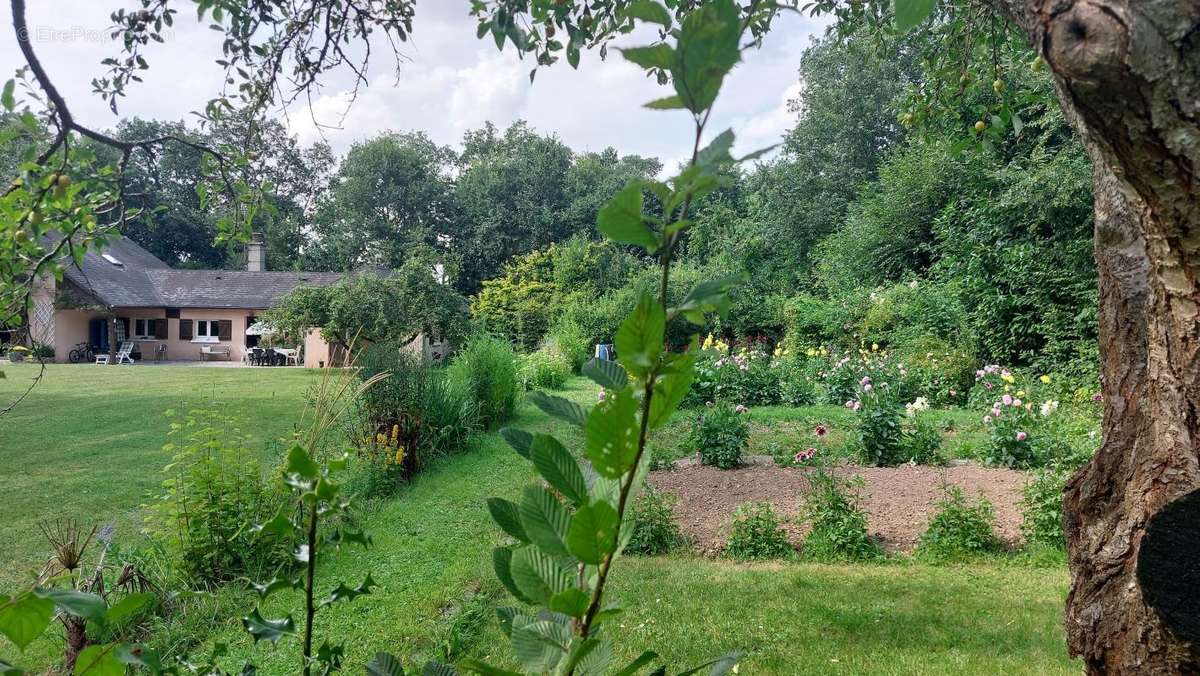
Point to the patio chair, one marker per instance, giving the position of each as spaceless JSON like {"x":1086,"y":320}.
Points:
{"x":125,"y":352}
{"x":292,"y":356}
{"x":256,"y":356}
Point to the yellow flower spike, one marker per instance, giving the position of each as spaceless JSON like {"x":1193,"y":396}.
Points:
{"x":1045,"y":379}
{"x":1020,"y":393}
{"x":399,"y":455}
{"x":380,"y":439}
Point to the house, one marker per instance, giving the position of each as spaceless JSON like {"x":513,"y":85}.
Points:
{"x":124,"y":292}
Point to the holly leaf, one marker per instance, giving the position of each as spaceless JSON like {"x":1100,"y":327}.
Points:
{"x":262,"y":629}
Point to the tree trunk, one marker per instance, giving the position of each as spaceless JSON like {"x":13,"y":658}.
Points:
{"x":76,"y":641}
{"x":1128,"y":76}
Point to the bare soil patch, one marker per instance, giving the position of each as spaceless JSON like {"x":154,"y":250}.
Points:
{"x":899,"y":501}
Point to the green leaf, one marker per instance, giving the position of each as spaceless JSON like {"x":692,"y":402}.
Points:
{"x":276,"y":584}
{"x":80,"y":604}
{"x":300,"y":464}
{"x":345,"y":593}
{"x":6,"y":98}
{"x":593,"y":533}
{"x":556,"y":465}
{"x":99,"y":660}
{"x":665,"y":103}
{"x":636,"y":665}
{"x":269,"y":630}
{"x":384,"y":664}
{"x":648,"y":10}
{"x":718,"y":667}
{"x":138,"y":656}
{"x":507,"y":515}
{"x":707,"y":50}
{"x":639,"y":339}
{"x":128,"y":606}
{"x":710,"y":296}
{"x":605,"y":373}
{"x":502,"y":564}
{"x":545,"y":520}
{"x":612,"y":435}
{"x":716,"y":153}
{"x":671,"y":386}
{"x":520,"y":440}
{"x":24,"y":618}
{"x":593,"y":659}
{"x":538,"y":575}
{"x":654,"y":56}
{"x":558,"y":407}
{"x":910,"y":13}
{"x":573,"y":602}
{"x":620,"y":219}
{"x":540,"y":645}
{"x":486,"y":669}
{"x":280,"y":525}
{"x":435,"y":668}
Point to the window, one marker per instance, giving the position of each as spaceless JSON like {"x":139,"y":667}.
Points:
{"x":206,"y":331}
{"x":143,"y":328}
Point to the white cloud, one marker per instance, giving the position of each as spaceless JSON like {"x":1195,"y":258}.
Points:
{"x":449,"y":82}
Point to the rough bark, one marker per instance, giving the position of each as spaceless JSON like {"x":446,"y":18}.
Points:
{"x":1128,"y":75}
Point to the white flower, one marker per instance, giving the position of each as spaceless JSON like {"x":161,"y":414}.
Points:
{"x":1049,"y":407}
{"x":918,"y":405}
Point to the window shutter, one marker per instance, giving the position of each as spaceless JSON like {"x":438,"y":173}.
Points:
{"x":185,"y":329}
{"x":160,"y":328}
{"x":225,"y":329}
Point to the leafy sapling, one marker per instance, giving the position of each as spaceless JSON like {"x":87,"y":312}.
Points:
{"x":569,"y":532}
{"x":319,"y":498}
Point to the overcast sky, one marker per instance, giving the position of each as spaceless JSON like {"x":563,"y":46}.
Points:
{"x":450,"y":82}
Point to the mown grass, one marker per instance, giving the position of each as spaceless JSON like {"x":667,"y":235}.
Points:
{"x":433,"y":541}
{"x":86,"y":443}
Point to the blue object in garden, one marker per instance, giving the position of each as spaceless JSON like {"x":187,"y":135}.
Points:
{"x":604,"y":351}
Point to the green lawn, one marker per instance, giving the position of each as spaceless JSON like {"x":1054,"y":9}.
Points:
{"x":85,"y":444}
{"x":433,"y":541}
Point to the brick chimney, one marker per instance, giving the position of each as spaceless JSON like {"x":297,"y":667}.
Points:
{"x":256,"y":253}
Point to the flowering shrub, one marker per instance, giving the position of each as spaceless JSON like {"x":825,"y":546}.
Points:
{"x":719,"y":434}
{"x":880,"y":434}
{"x":547,"y":368}
{"x":1011,"y":423}
{"x":990,"y":382}
{"x":755,"y":533}
{"x":745,"y":374}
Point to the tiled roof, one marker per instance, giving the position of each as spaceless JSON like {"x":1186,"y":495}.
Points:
{"x":123,"y":283}
{"x":139,"y":279}
{"x":231,"y":288}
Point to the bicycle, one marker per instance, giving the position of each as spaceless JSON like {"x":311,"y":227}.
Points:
{"x":81,"y":352}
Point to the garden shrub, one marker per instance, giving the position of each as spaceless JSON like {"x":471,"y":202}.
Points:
{"x":546,"y":368}
{"x":486,"y":369}
{"x":880,"y":433}
{"x":960,"y":529}
{"x":746,"y":375}
{"x":839,"y":525}
{"x":719,"y":434}
{"x":1015,"y":434}
{"x":407,"y":419}
{"x":655,"y":530}
{"x":1042,"y":508}
{"x":797,"y":376}
{"x":755,"y":534}
{"x":571,"y":341}
{"x":214,"y":486}
{"x":923,"y":440}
